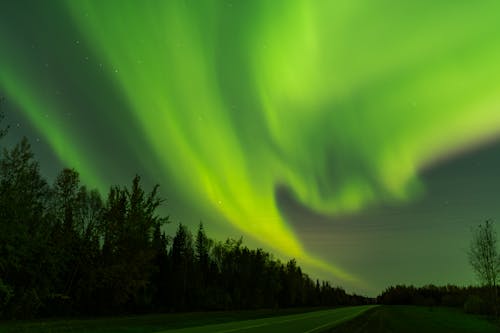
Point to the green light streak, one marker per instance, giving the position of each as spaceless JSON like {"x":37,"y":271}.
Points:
{"x":64,"y":144}
{"x":343,"y":102}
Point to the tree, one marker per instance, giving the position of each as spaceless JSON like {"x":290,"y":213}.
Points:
{"x":66,"y":190}
{"x":3,"y":131}
{"x":485,"y":258}
{"x":66,"y":240}
{"x":76,"y":213}
{"x":128,"y":224}
{"x":161,"y":273}
{"x":25,"y":267}
{"x":202,"y":250}
{"x":182,"y":262}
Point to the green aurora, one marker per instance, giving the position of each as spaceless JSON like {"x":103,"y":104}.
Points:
{"x":341,"y":103}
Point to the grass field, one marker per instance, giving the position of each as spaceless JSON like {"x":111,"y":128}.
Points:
{"x":293,"y":320}
{"x":411,"y":319}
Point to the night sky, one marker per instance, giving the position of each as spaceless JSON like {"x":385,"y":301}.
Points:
{"x":359,"y":137}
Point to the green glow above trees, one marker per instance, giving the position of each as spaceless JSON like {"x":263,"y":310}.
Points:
{"x":342,"y":102}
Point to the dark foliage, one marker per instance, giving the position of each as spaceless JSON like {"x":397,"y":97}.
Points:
{"x":471,"y":299}
{"x":3,"y":131}
{"x":65,"y":251}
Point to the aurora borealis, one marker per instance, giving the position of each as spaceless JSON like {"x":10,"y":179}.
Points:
{"x":345,"y":134}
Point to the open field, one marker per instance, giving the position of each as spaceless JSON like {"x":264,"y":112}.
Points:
{"x":411,"y":319}
{"x":234,"y":321}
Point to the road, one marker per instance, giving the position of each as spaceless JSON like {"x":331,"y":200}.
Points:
{"x":310,"y":322}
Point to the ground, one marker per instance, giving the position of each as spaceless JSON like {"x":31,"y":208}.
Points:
{"x":361,"y":319}
{"x":416,"y":319}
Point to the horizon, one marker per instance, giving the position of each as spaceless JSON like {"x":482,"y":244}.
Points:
{"x":359,"y":139}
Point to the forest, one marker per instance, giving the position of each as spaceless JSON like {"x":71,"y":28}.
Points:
{"x":66,"y":251}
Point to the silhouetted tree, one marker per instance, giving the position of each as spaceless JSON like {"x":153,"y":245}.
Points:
{"x":64,"y":235}
{"x":5,"y":290}
{"x":25,"y":267}
{"x":129,"y":220}
{"x":202,"y":266}
{"x":202,"y":252}
{"x":88,"y":217}
{"x":160,"y":278}
{"x":485,"y":258}
{"x":182,"y":264}
{"x":3,"y":131}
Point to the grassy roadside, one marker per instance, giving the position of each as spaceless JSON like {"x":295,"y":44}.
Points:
{"x":414,"y":319}
{"x":141,"y":323}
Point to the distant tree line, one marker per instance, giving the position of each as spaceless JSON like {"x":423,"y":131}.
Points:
{"x":64,"y":250}
{"x":470,"y":299}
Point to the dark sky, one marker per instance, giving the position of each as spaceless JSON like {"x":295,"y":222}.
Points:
{"x":359,"y":138}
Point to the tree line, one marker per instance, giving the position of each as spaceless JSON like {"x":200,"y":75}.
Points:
{"x":65,"y":251}
{"x":471,"y":299}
